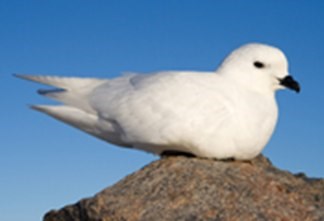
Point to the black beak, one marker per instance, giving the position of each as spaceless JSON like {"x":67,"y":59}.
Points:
{"x":290,"y":83}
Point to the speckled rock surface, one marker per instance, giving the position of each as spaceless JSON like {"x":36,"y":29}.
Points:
{"x":185,"y":189}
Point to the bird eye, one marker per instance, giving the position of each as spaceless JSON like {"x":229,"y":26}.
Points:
{"x":258,"y":64}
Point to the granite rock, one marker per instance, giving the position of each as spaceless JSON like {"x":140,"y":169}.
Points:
{"x":186,"y":188}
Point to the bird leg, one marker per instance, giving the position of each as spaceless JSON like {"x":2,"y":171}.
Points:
{"x":170,"y":153}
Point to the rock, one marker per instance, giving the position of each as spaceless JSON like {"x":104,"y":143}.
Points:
{"x":184,"y":189}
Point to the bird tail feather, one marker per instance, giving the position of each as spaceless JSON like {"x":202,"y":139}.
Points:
{"x":71,"y":91}
{"x":70,"y":115}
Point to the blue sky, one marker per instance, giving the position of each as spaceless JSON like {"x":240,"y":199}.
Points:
{"x":45,"y":164}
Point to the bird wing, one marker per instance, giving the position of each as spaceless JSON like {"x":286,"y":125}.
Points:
{"x":161,"y":108}
{"x":166,"y":108}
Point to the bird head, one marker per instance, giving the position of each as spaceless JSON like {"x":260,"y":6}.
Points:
{"x":259,"y":67}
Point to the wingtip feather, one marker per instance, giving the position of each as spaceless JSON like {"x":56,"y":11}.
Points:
{"x":61,"y":82}
{"x":40,"y":108}
{"x":21,"y":76}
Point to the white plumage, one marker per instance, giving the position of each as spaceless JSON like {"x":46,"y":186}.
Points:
{"x":230,"y":113}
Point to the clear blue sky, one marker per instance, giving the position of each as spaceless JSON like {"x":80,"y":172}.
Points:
{"x":45,"y":164}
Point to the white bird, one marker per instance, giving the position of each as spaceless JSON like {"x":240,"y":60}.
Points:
{"x":230,"y":113}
